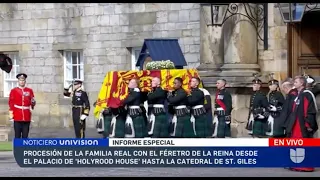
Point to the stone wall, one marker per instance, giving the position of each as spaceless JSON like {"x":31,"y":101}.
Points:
{"x":274,"y":60}
{"x":105,"y":32}
{"x":240,"y":53}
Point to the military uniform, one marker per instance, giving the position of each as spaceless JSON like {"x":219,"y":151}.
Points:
{"x":181,"y":125}
{"x":135,"y":122}
{"x":276,"y":101}
{"x":198,"y":113}
{"x":21,"y":101}
{"x":223,"y":108}
{"x":258,"y":113}
{"x":158,"y":126}
{"x":117,"y":122}
{"x":208,"y":107}
{"x":103,"y":125}
{"x":80,"y":109}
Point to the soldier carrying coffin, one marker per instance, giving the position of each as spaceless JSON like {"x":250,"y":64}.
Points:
{"x":158,"y":124}
{"x":135,"y":125}
{"x":181,"y":126}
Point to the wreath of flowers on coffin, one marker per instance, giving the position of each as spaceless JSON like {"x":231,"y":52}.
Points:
{"x":157,"y":65}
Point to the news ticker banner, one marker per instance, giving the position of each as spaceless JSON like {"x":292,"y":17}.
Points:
{"x":167,"y":152}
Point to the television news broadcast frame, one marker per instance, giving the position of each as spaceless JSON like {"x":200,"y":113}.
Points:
{"x":175,"y":152}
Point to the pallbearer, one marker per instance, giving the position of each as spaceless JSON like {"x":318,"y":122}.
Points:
{"x":208,"y":107}
{"x":21,"y":101}
{"x":181,"y":125}
{"x":198,"y":112}
{"x":135,"y":123}
{"x":117,"y":124}
{"x":258,"y":111}
{"x":223,"y":108}
{"x":158,"y":124}
{"x":276,"y":101}
{"x":303,"y":124}
{"x":80,"y":107}
{"x":104,"y":122}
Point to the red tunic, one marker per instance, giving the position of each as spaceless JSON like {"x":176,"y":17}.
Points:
{"x":20,"y":103}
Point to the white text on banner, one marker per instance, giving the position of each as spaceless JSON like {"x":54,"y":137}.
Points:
{"x":186,"y":142}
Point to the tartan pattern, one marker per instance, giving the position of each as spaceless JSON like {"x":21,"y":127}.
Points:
{"x":184,"y":127}
{"x":202,"y":124}
{"x":140,"y":127}
{"x":224,"y":129}
{"x":259,"y":128}
{"x":161,"y":125}
{"x":107,"y":122}
{"x":120,"y":128}
{"x":278,"y":130}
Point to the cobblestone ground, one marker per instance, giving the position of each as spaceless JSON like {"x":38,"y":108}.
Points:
{"x":8,"y":166}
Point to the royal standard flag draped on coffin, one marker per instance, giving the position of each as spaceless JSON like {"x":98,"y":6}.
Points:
{"x":115,"y":84}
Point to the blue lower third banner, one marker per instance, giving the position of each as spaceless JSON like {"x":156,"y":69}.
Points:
{"x":101,"y":155}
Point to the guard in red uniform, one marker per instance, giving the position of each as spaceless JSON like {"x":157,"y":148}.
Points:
{"x":302,"y":123}
{"x":21,"y":101}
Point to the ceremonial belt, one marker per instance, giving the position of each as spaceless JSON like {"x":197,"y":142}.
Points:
{"x":22,"y":107}
{"x":134,"y":107}
{"x":220,"y":111}
{"x":198,"y":110}
{"x":134,"y":111}
{"x":77,"y":106}
{"x":181,"y":110}
{"x":197,"y":106}
{"x":180,"y":107}
{"x":158,"y":106}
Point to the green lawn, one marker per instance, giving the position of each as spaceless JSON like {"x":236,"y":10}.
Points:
{"x":5,"y":146}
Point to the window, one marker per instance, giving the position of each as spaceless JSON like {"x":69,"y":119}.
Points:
{"x":73,"y":66}
{"x":134,"y":57}
{"x":10,"y":80}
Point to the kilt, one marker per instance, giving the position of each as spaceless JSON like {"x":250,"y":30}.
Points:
{"x":278,"y":130}
{"x":139,"y":126}
{"x":119,"y":128}
{"x":201,"y":126}
{"x":224,"y":130}
{"x":107,"y":122}
{"x":259,"y":128}
{"x":184,"y":128}
{"x":161,"y":126}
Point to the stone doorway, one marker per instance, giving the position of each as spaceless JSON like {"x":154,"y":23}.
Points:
{"x":304,"y":49}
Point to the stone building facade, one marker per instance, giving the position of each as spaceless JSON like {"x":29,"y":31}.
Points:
{"x":48,"y":40}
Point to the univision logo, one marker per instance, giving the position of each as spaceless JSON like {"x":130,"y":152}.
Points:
{"x":297,"y":155}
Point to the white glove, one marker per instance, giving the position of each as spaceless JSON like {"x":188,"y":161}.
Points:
{"x":83,"y":117}
{"x":273,"y":108}
{"x":260,"y":116}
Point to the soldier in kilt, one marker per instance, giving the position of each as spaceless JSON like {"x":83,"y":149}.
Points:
{"x":223,"y":108}
{"x":181,"y":125}
{"x":117,"y":123}
{"x":258,"y":111}
{"x":135,"y":122}
{"x":107,"y":117}
{"x":158,"y":126}
{"x":198,"y":111}
{"x":276,"y":101}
